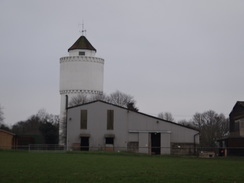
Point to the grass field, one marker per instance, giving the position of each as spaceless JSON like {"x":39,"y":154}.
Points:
{"x":26,"y":167}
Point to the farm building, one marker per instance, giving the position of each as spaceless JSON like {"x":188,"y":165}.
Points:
{"x":234,"y":143}
{"x":7,"y":139}
{"x":99,"y":125}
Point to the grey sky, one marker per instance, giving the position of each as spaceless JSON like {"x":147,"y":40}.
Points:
{"x":180,"y":56}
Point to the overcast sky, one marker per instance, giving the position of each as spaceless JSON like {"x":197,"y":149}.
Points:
{"x":178,"y":56}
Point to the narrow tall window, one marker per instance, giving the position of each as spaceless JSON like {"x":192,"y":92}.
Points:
{"x":110,"y":119}
{"x":83,"y":119}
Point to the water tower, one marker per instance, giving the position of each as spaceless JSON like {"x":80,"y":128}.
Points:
{"x":80,"y":73}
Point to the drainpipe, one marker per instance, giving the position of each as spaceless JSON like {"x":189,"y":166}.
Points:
{"x":195,"y":152}
{"x":66,"y":120}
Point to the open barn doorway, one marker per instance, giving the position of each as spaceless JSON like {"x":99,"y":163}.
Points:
{"x":155,"y":143}
{"x":84,"y":143}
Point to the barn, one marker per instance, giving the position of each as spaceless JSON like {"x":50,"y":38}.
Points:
{"x":7,"y":139}
{"x":99,"y":125}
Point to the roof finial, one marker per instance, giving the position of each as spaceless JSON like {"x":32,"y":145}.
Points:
{"x":82,"y":29}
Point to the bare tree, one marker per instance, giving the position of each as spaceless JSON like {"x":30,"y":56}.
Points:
{"x":121,"y":99}
{"x":1,"y":115}
{"x":2,"y":125}
{"x":166,"y":116}
{"x":102,"y":97}
{"x":117,"y":98}
{"x":187,"y":123}
{"x":212,"y":126}
{"x":78,"y":99}
{"x":83,"y":98}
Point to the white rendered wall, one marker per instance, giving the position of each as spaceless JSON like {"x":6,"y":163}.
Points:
{"x":128,"y":127}
{"x":81,"y":73}
{"x":144,"y":143}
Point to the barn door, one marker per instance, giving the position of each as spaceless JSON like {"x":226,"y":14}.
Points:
{"x":84,"y":143}
{"x":155,"y":143}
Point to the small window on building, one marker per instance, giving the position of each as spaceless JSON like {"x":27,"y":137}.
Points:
{"x":110,"y":119}
{"x":81,"y":53}
{"x":83,"y":119}
{"x":109,"y":144}
{"x":109,"y":140}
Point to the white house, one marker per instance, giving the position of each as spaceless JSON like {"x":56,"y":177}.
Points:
{"x":100,"y":125}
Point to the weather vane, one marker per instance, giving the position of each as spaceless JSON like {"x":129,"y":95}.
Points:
{"x":82,"y":29}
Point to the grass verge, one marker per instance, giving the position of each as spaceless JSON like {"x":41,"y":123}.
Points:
{"x":29,"y":167}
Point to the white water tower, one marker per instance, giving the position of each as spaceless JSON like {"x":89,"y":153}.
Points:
{"x":80,"y":72}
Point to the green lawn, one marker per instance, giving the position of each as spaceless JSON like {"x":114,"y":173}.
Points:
{"x":26,"y":167}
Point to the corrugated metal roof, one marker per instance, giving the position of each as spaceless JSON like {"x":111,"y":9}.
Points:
{"x":82,"y":43}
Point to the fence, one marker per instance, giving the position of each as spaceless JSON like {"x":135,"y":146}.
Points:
{"x":231,"y":151}
{"x":36,"y":147}
{"x":46,"y":147}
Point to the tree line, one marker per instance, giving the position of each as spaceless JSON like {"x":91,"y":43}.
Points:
{"x":211,"y":125}
{"x":43,"y":126}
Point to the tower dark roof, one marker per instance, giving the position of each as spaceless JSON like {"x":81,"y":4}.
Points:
{"x":82,"y":43}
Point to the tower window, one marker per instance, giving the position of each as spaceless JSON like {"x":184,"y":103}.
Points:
{"x":81,"y":53}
